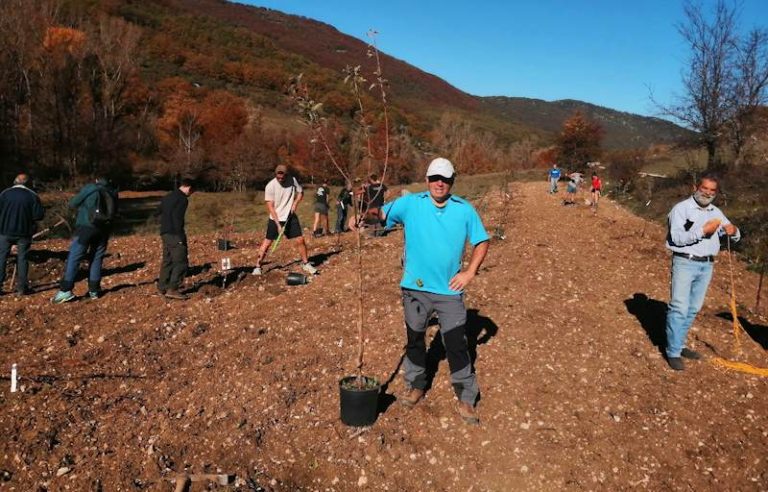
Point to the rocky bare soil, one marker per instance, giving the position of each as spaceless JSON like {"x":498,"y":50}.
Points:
{"x":566,"y":319}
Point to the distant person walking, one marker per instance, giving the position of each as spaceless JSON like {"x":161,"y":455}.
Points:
{"x":596,"y":190}
{"x":574,"y":182}
{"x":282,"y":195}
{"x":343,"y":204}
{"x":437,"y":227}
{"x":175,"y":262}
{"x":20,"y":208}
{"x":695,"y":228}
{"x":321,"y":211}
{"x":96,"y":205}
{"x":554,"y":176}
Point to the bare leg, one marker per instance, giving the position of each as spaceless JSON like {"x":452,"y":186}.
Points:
{"x":263,"y":251}
{"x":327,"y":229}
{"x":302,"y":248}
{"x":316,"y":223}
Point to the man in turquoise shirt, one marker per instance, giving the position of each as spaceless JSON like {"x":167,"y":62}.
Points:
{"x":437,"y":226}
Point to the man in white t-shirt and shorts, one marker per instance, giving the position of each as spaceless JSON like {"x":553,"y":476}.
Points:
{"x":282,"y":195}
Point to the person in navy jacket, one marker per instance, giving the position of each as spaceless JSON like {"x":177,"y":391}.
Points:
{"x":20,"y":208}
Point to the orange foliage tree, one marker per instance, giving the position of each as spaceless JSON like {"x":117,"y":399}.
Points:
{"x":579,"y":141}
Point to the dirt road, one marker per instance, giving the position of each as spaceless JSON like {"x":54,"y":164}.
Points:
{"x":566,"y":319}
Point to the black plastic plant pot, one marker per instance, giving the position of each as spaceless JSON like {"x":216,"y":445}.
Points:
{"x":224,"y":245}
{"x":359,"y":403}
{"x":296,"y":279}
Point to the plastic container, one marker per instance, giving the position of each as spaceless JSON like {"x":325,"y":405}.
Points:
{"x":359,"y":407}
{"x":223,"y":244}
{"x":297,"y":279}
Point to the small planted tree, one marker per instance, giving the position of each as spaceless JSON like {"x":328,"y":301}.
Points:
{"x":320,"y":128}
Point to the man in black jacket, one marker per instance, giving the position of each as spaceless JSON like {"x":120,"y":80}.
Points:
{"x":20,"y":208}
{"x":173,"y":207}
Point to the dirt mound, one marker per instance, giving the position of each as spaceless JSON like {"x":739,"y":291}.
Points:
{"x":565,"y":320}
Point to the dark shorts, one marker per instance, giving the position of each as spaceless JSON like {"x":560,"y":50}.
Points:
{"x":597,"y":190}
{"x":321,"y":208}
{"x":292,"y":228}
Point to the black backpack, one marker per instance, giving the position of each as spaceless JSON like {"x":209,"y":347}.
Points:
{"x":103,"y":214}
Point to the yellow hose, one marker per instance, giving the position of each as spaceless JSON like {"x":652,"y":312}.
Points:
{"x":737,"y":331}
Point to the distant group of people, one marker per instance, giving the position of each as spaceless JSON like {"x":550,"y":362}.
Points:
{"x":575,"y":179}
{"x":369,"y":199}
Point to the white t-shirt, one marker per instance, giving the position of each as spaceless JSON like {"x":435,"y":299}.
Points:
{"x":282,"y":195}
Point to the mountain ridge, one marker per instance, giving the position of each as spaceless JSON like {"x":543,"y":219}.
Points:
{"x":324,"y":44}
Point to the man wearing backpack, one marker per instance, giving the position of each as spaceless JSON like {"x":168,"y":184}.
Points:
{"x":96,"y":205}
{"x":20,"y":208}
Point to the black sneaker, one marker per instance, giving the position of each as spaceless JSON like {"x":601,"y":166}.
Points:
{"x":690,"y":354}
{"x":676,"y":363}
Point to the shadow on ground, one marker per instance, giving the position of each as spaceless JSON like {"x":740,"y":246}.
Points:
{"x":652,"y":315}
{"x":758,"y":333}
{"x":387,"y":399}
{"x":479,"y":330}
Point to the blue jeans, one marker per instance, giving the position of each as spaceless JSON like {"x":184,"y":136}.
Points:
{"x":22,"y":248}
{"x":91,"y":243}
{"x":690,"y":280}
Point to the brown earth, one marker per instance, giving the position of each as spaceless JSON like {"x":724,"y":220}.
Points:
{"x":566,"y":316}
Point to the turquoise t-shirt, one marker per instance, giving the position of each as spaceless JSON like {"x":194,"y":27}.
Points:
{"x":434,"y":239}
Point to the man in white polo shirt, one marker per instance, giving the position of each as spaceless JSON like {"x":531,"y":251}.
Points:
{"x":437,"y":226}
{"x":282,"y":195}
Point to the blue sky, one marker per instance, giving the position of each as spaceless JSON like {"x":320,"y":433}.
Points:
{"x":611,"y":53}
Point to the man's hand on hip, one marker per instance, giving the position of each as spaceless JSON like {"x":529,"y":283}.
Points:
{"x":460,"y":281}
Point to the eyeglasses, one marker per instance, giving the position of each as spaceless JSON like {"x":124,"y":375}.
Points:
{"x":436,"y":177}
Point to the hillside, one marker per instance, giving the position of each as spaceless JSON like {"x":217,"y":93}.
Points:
{"x":142,"y":91}
{"x":300,"y":44}
{"x":129,"y":391}
{"x":622,"y":130}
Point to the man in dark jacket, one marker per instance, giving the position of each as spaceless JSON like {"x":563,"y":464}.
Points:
{"x":173,"y":207}
{"x":20,"y":208}
{"x":90,"y":239}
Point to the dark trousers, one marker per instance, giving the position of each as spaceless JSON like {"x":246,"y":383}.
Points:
{"x":175,"y":263}
{"x":341,"y":218}
{"x":22,"y":249}
{"x":91,"y":243}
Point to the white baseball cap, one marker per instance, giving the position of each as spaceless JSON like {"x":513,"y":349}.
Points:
{"x":441,"y":167}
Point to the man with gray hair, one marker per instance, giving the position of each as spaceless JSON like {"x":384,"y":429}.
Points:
{"x":20,"y":208}
{"x":695,"y":229}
